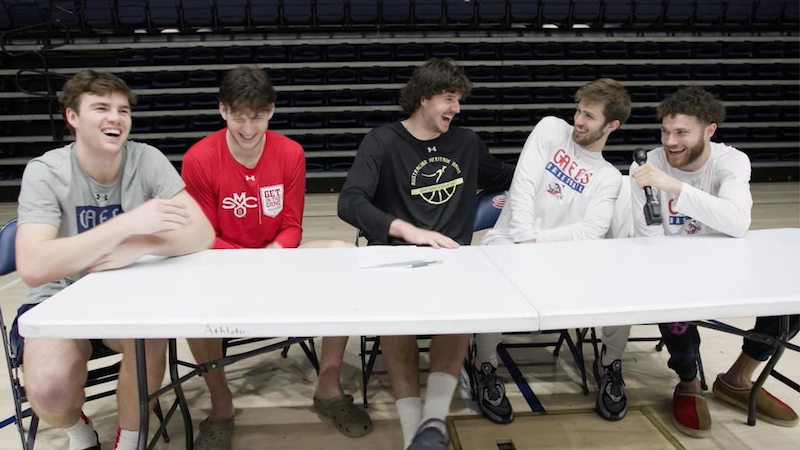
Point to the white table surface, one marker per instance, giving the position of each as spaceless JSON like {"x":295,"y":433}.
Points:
{"x":653,"y":280}
{"x":297,"y":292}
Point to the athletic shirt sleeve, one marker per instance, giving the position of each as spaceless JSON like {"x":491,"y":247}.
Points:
{"x":527,"y":177}
{"x":355,"y":201}
{"x":729,"y":211}
{"x":597,"y":215}
{"x":291,"y":231}
{"x":638,"y":199}
{"x":492,"y":173}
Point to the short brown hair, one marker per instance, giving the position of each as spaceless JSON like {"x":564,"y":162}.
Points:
{"x":611,"y":94}
{"x":693,"y":101}
{"x":91,"y":82}
{"x":434,"y":77}
{"x":247,"y":88}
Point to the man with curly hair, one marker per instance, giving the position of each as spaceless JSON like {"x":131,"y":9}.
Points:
{"x":414,"y":182}
{"x":704,"y":187}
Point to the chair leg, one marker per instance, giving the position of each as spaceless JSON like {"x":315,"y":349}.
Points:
{"x":560,"y":342}
{"x":702,"y":373}
{"x":363,"y":367}
{"x":311,"y":354}
{"x":32,"y":431}
{"x":367,"y":373}
{"x":160,"y":415}
{"x":594,"y":344}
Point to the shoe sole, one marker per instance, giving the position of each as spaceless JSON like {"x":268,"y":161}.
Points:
{"x":690,"y":431}
{"x":783,"y":423}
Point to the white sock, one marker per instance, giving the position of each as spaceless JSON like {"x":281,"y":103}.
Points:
{"x":438,"y":396}
{"x":410,"y":411}
{"x":81,"y":435}
{"x":126,"y":439}
{"x":486,"y":348}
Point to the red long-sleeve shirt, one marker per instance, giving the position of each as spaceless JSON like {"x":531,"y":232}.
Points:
{"x":249,"y":208}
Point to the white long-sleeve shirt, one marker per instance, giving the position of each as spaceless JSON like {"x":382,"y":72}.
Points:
{"x":714,"y":198}
{"x":560,"y":191}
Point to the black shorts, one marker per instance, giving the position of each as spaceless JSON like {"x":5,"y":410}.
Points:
{"x":17,"y":342}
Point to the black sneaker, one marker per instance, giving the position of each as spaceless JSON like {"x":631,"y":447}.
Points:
{"x":430,"y":436}
{"x":611,"y":401}
{"x":491,"y":395}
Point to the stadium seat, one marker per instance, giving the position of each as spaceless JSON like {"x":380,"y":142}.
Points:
{"x":548,"y":50}
{"x":26,"y":12}
{"x":377,"y":97}
{"x":374,"y":119}
{"x":265,"y":12}
{"x":376,"y":75}
{"x":410,"y":52}
{"x":523,"y":11}
{"x":644,"y":94}
{"x":581,"y":50}
{"x":329,"y":12}
{"x":66,"y":12}
{"x":581,"y":73}
{"x":516,"y":95}
{"x":166,"y":56}
{"x":555,"y":12}
{"x":613,"y":50}
{"x":343,"y":120}
{"x":676,"y":72}
{"x":446,"y":50}
{"x":515,"y":117}
{"x":344,"y":97}
{"x":167,"y":80}
{"x":376,"y":52}
{"x":645,"y":72}
{"x":164,"y":13}
{"x":515,"y":73}
{"x":171,"y":124}
{"x":677,"y":50}
{"x":341,"y":52}
{"x":483,"y":96}
{"x":549,"y":95}
{"x":460,"y":12}
{"x":549,"y":73}
{"x":343,"y":141}
{"x":308,"y":98}
{"x":272,"y":53}
{"x":770,"y":50}
{"x":480,"y":117}
{"x":203,"y":101}
{"x":136,"y":80}
{"x":707,"y":72}
{"x":618,"y":11}
{"x":492,"y":11}
{"x":198,"y":13}
{"x":402,"y":74}
{"x":708,"y":50}
{"x":305,"y":53}
{"x":232,"y":13}
{"x":297,"y":12}
{"x":679,"y":12}
{"x":311,"y":141}
{"x":647,"y":12}
{"x":708,"y":12}
{"x":396,"y":12}
{"x":479,"y":74}
{"x":306,"y":76}
{"x":202,"y":56}
{"x":517,"y":50}
{"x":98,"y":15}
{"x":738,"y":50}
{"x":307,"y":120}
{"x":646,"y":50}
{"x":481,"y":51}
{"x":769,"y":12}
{"x":206,"y":123}
{"x":363,"y":12}
{"x":132,"y":13}
{"x":618,"y":72}
{"x":236,"y":55}
{"x":131,"y":57}
{"x":738,"y":12}
{"x":586,"y":11}
{"x":341,"y":76}
{"x":427,"y":11}
{"x":202,"y":78}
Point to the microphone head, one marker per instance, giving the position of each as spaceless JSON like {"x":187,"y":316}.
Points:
{"x":640,"y":156}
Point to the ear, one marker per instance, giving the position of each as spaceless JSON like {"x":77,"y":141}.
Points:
{"x":613,"y":125}
{"x":270,"y":112}
{"x":71,"y":116}
{"x":710,"y":130}
{"x":223,"y":112}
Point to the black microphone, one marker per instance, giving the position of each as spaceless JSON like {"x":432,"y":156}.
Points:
{"x":652,"y":207}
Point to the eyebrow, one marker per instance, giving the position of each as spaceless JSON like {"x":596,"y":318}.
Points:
{"x":106,"y":104}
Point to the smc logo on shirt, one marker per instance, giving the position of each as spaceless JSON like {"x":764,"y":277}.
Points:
{"x":271,"y":201}
{"x":567,"y":171}
{"x":88,"y":217}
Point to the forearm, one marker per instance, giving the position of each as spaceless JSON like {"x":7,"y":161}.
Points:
{"x":197,"y":236}
{"x":730,"y":216}
{"x":355,"y":209}
{"x":289,"y":237}
{"x":42,"y":261}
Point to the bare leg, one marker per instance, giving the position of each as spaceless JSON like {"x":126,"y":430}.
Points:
{"x":207,"y":350}
{"x":55,"y":374}
{"x":741,"y":372}
{"x":401,"y":355}
{"x":328,"y":385}
{"x":448,"y":352}
{"x":127,"y":387}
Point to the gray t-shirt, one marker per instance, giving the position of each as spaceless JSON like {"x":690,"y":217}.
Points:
{"x":56,"y":191}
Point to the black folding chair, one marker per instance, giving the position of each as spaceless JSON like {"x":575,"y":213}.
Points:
{"x":101,"y":375}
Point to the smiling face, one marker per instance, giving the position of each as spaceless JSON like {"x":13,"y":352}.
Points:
{"x":591,"y":128}
{"x":246,"y":129}
{"x":102,"y":122}
{"x":685,"y":140}
{"x":438,"y":112}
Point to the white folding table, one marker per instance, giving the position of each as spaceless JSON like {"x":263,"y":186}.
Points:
{"x":323,"y":292}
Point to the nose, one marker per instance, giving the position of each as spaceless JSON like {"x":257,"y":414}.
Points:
{"x":668,"y":139}
{"x":457,"y":107}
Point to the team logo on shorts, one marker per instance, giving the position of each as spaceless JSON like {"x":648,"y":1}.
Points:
{"x":436,"y":180}
{"x":271,"y":200}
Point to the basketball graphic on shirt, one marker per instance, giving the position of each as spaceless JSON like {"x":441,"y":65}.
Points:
{"x":437,"y":178}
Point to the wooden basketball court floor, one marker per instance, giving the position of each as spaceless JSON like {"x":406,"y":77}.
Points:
{"x":273,"y":395}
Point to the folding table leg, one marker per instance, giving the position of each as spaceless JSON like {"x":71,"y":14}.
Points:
{"x":172,"y":361}
{"x":144,"y":409}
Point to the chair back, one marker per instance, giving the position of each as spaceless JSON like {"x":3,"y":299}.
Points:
{"x":488,"y":205}
{"x":8,"y":254}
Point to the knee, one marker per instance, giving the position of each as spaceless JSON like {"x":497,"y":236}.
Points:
{"x":54,"y":390}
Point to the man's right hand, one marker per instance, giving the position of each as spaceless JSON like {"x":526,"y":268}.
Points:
{"x":157,"y":215}
{"x":418,"y":236}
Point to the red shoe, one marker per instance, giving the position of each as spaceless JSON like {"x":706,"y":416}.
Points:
{"x":690,"y":414}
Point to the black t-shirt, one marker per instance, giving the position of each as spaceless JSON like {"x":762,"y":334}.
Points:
{"x":430,"y":184}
